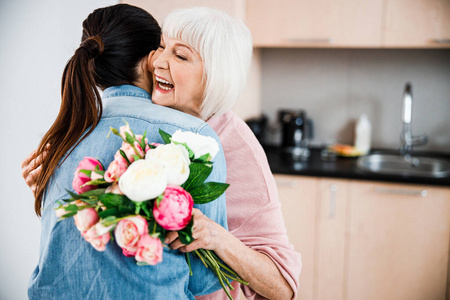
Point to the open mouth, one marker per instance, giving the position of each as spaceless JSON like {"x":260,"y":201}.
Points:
{"x":163,"y":84}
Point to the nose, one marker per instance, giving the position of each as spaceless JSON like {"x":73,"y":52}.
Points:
{"x":160,"y":60}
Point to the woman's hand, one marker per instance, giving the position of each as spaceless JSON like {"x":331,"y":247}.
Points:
{"x":31,"y":167}
{"x":207,"y":234}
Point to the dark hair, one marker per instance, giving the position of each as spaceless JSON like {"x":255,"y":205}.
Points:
{"x":115,"y":39}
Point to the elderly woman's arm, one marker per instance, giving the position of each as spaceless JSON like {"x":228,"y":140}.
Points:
{"x":254,"y":267}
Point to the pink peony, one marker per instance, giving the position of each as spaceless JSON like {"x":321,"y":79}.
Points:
{"x":127,"y":233}
{"x":116,"y":168}
{"x":175,"y":209}
{"x":150,"y":250}
{"x":98,"y":236}
{"x":85,"y":219}
{"x":80,"y":179}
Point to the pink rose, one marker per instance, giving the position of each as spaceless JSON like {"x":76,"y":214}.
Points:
{"x":124,"y":129}
{"x":175,"y":209}
{"x":98,"y":236}
{"x":116,"y":168}
{"x":85,"y":218}
{"x":150,"y":250}
{"x":80,"y":179}
{"x":129,"y":151}
{"x":127,"y":233}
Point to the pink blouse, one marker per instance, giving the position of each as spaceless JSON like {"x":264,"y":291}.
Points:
{"x":253,"y":207}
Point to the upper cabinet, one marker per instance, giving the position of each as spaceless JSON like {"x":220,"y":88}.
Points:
{"x":320,"y":23}
{"x":350,"y":23}
{"x":417,"y":24}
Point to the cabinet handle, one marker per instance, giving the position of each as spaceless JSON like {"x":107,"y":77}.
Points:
{"x":420,"y":193}
{"x":312,"y":40}
{"x":287,"y":183}
{"x":333,"y":191}
{"x":441,"y":41}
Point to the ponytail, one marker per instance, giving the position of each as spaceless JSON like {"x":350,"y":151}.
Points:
{"x":115,"y":39}
{"x":80,"y":112}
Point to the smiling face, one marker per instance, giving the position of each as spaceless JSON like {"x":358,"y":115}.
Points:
{"x":177,"y":76}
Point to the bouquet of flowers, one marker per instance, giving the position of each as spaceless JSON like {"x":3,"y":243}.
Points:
{"x":148,"y":190}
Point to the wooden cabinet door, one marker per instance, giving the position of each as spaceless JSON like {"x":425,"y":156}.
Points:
{"x":417,"y":24}
{"x":398,"y":243}
{"x":298,"y":203}
{"x":331,"y":220}
{"x":319,"y":23}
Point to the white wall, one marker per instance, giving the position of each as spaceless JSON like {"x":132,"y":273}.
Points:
{"x":36,"y":40}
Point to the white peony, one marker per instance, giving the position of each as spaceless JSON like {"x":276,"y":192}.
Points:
{"x":175,"y":159}
{"x":198,"y":143}
{"x":143,"y":180}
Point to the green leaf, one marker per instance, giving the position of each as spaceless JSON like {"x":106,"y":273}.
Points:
{"x":112,"y":200}
{"x":167,"y":138}
{"x":108,"y":212}
{"x":124,"y":156}
{"x":198,"y":174}
{"x":129,"y":138}
{"x":189,"y":150}
{"x":96,"y":182}
{"x":87,"y":172}
{"x":204,"y":158}
{"x":71,"y":214}
{"x":142,"y":142}
{"x":86,"y":195}
{"x":208,"y":192}
{"x":136,"y":158}
{"x":98,"y":171}
{"x":158,"y":200}
{"x":142,"y":263}
{"x":146,"y":209}
{"x":185,"y":234}
{"x":108,"y":221}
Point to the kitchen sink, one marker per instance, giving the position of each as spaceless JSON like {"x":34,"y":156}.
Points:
{"x":419,"y":166}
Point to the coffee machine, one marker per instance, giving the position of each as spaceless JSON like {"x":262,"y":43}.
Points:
{"x":295,"y":133}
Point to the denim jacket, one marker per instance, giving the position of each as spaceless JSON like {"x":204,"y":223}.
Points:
{"x":69,"y":267}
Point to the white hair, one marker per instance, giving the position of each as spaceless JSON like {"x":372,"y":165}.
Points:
{"x":225,"y":46}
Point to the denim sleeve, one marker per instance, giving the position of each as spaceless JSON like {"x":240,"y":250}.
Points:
{"x":204,"y":281}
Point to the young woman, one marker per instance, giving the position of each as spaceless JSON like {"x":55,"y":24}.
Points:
{"x":113,"y":56}
{"x":200,"y":68}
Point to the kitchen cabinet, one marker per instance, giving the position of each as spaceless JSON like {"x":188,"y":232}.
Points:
{"x":350,"y":23}
{"x":398,"y":241}
{"x":417,"y":24}
{"x":314,"y":212}
{"x":322,"y":23}
{"x":298,"y":205}
{"x":366,"y":239}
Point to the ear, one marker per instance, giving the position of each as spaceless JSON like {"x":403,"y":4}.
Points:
{"x":150,"y":61}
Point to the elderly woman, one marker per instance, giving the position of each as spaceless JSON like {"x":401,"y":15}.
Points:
{"x":200,"y":68}
{"x":209,"y":52}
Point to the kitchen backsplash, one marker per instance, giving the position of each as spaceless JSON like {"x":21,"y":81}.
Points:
{"x":334,"y":86}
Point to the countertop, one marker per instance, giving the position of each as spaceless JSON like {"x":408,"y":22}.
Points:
{"x":343,"y":167}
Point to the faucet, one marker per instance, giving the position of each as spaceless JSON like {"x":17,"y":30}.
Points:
{"x":407,"y":140}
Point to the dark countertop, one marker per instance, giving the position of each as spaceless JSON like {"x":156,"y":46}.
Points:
{"x":343,"y":167}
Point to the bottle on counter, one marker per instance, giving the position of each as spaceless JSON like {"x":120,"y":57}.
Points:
{"x":363,"y":134}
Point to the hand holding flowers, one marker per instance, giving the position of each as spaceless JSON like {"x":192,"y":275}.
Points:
{"x":147,"y":192}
